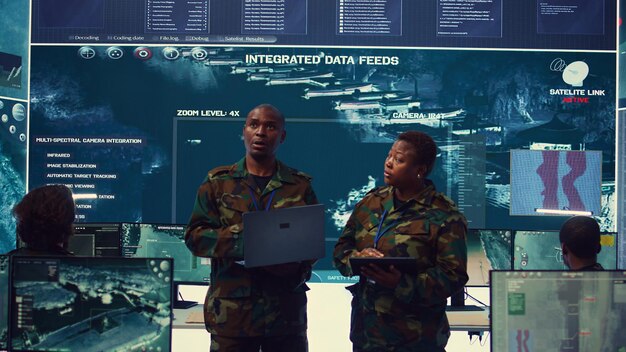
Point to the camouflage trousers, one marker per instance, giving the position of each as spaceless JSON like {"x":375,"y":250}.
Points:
{"x":287,"y":343}
{"x":372,"y":331}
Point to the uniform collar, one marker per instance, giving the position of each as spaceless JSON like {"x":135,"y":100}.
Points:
{"x":282,"y":175}
{"x":424,"y":198}
{"x":591,"y":267}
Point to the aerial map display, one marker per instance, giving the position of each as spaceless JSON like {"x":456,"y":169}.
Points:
{"x":91,"y":304}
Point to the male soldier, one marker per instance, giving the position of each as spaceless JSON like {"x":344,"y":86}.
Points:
{"x":248,"y":309}
{"x":580,"y":243}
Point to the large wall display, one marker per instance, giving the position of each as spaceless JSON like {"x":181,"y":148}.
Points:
{"x":546,"y":24}
{"x":547,"y":180}
{"x":130,"y":103}
{"x":4,"y":302}
{"x":622,"y":129}
{"x":14,"y":46}
{"x":621,"y":224}
{"x":12,"y":165}
{"x":621,"y":50}
{"x":145,"y":131}
{"x":541,"y":250}
{"x":14,"y":49}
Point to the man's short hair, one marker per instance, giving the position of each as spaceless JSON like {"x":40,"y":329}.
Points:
{"x":581,"y":235}
{"x":272,"y":108}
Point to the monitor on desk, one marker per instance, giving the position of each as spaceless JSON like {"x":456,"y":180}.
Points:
{"x":558,"y":310}
{"x":541,"y":250}
{"x":95,"y":240}
{"x":162,"y":240}
{"x":90,"y":304}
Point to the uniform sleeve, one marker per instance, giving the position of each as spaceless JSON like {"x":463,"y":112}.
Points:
{"x":449,"y":273}
{"x":306,"y":268}
{"x":205,"y":235}
{"x":309,"y":197}
{"x":346,"y":246}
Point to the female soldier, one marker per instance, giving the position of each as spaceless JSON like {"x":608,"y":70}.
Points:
{"x":392,"y":310}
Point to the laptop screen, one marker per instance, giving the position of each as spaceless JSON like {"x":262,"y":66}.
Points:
{"x":283,"y":235}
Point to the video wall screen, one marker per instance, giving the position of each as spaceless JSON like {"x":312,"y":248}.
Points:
{"x":95,"y":240}
{"x":541,"y":250}
{"x":487,"y":250}
{"x":549,"y":24}
{"x":13,"y":160}
{"x":129,"y":137}
{"x":130,"y":103}
{"x":4,"y":302}
{"x":165,"y":241}
{"x":14,"y":47}
{"x":122,"y":121}
{"x":548,"y":180}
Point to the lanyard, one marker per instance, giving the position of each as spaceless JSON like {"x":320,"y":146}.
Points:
{"x":380,"y":232}
{"x":256,"y":203}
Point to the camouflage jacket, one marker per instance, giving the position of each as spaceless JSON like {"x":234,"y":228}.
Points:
{"x":429,"y":228}
{"x":246,"y":302}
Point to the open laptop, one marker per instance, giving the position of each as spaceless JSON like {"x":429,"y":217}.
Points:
{"x":283,"y":235}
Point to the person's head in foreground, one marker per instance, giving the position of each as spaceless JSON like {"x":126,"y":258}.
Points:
{"x":44,"y":217}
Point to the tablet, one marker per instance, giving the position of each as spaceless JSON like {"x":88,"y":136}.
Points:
{"x":406,"y":265}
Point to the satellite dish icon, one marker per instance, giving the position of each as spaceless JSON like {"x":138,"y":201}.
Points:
{"x":575,"y":73}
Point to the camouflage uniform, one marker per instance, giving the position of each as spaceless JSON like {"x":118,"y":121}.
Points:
{"x":28,"y":251}
{"x":592,"y":267}
{"x":245,"y":302}
{"x":412,"y":316}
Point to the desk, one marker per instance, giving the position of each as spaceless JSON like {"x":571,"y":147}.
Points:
{"x":181,"y":315}
{"x":459,"y":320}
{"x":329,"y":322}
{"x":469,"y":321}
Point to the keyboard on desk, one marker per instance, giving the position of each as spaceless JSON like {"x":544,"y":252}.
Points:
{"x":195,"y":317}
{"x":466,"y":308}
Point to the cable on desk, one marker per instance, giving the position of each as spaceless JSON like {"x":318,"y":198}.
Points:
{"x":467,"y":295}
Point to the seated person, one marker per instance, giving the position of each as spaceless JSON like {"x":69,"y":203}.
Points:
{"x":44,"y":219}
{"x":580,"y":243}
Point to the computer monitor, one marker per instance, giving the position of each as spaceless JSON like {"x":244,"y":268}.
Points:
{"x":487,"y":250}
{"x":4,"y":302}
{"x":91,"y":304}
{"x":541,"y":250}
{"x":558,"y":310}
{"x":162,"y":240}
{"x":549,"y":181}
{"x":95,"y":240}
